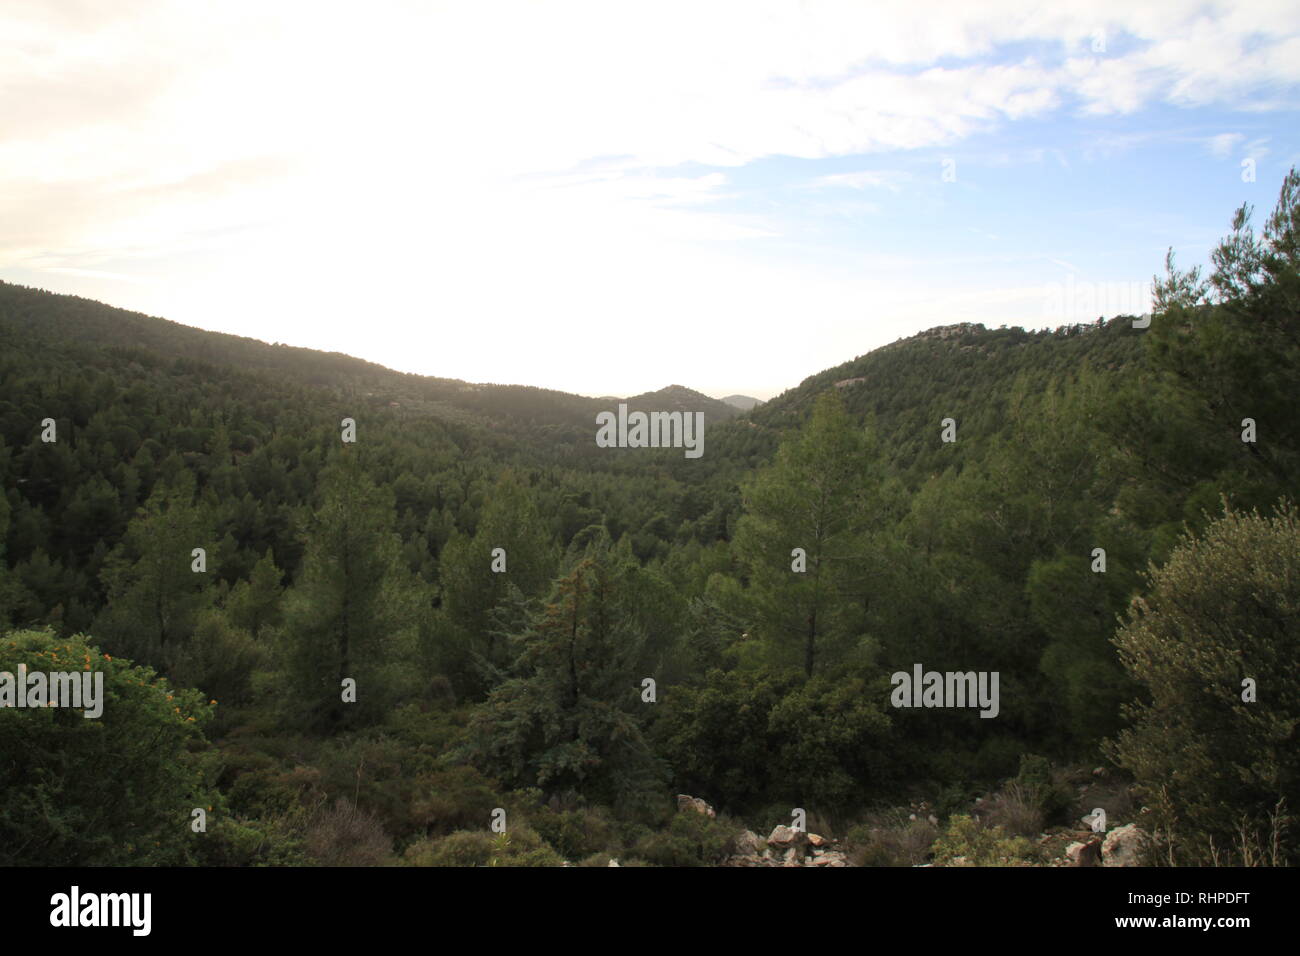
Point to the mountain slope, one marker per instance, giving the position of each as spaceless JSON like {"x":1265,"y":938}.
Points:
{"x":965,"y":372}
{"x":678,"y":398}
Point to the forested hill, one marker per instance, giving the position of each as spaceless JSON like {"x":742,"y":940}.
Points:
{"x":976,"y":376}
{"x":906,"y":387}
{"x":678,"y":398}
{"x":59,"y":320}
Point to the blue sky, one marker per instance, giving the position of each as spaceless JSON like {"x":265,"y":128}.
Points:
{"x":610,"y":197}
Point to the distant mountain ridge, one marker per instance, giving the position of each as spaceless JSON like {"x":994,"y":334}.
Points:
{"x":37,"y":313}
{"x":679,"y":398}
{"x":907,"y":386}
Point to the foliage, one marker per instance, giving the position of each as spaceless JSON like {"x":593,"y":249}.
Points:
{"x":1223,"y":612}
{"x":113,"y":790}
{"x":967,"y":841}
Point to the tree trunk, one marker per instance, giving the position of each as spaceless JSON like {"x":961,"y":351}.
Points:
{"x":811,"y":641}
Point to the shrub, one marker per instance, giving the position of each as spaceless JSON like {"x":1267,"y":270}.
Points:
{"x":891,"y":839}
{"x":219,"y":659}
{"x":967,"y":840}
{"x":575,"y":833}
{"x":1016,"y":809}
{"x":1039,"y":785}
{"x":692,"y":839}
{"x":1226,"y":607}
{"x":346,"y":836}
{"x":519,"y":846}
{"x":114,"y":790}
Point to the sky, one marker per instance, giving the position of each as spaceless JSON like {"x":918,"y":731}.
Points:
{"x":610,"y":197}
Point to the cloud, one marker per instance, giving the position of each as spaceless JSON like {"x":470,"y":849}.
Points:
{"x":891,"y":179}
{"x":1222,"y":145}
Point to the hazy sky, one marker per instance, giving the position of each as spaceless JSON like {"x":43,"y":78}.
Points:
{"x":609,"y":197}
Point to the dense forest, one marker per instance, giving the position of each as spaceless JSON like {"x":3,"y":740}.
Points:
{"x":358,"y":616}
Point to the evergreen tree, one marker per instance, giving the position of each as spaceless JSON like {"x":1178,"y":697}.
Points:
{"x":155,"y":594}
{"x":352,"y":614}
{"x":510,"y":534}
{"x":255,"y":604}
{"x":814,"y":497}
{"x":570,"y":713}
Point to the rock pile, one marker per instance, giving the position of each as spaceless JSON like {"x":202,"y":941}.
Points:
{"x":786,"y":847}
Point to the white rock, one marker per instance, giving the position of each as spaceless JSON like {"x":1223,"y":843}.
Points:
{"x":1123,"y":845}
{"x":783,"y":836}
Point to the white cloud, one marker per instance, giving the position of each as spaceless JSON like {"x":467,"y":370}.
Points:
{"x":891,"y":179}
{"x":1223,"y":144}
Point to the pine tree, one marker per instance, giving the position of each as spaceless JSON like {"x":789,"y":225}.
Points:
{"x":814,"y":497}
{"x":154,"y":593}
{"x":352,"y":613}
{"x":570,"y":714}
{"x":472,"y":588}
{"x":255,"y":604}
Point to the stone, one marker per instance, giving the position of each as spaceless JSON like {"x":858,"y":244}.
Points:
{"x":612,"y":862}
{"x":1084,"y":854}
{"x":686,"y":802}
{"x":816,"y":840}
{"x":783,"y":836}
{"x":749,"y":843}
{"x":1123,"y":846}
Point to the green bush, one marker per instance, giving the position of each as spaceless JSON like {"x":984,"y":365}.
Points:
{"x":1038,"y":783}
{"x":575,"y":833}
{"x":692,"y":839}
{"x":115,"y":790}
{"x":519,"y":846}
{"x":978,"y":845}
{"x":1226,"y":607}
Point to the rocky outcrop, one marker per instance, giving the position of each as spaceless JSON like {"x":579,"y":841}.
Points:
{"x":1123,"y":846}
{"x":686,"y":802}
{"x":783,"y":836}
{"x":749,"y":843}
